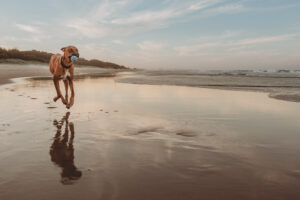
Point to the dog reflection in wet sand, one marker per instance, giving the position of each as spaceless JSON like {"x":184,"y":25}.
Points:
{"x":62,"y":150}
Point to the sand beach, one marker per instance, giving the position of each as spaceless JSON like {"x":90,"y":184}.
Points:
{"x":149,"y":140}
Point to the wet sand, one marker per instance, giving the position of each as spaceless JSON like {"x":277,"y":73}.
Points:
{"x":129,"y":141}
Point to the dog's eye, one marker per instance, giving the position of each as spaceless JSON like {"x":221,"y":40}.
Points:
{"x":70,"y":50}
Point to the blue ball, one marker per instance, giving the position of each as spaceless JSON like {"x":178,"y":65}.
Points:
{"x":74,"y":58}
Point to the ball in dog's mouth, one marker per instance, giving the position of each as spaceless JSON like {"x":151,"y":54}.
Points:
{"x":74,"y":58}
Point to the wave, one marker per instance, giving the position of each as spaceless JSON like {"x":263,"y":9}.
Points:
{"x":259,"y":73}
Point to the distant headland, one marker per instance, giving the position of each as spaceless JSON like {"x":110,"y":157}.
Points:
{"x":18,"y":56}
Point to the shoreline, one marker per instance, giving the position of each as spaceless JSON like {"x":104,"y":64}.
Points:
{"x":280,"y":88}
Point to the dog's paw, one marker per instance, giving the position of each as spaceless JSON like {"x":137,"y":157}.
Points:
{"x":66,"y":99}
{"x":56,"y":98}
{"x":63,"y":101}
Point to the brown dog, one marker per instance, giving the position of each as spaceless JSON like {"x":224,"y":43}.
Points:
{"x":61,"y":66}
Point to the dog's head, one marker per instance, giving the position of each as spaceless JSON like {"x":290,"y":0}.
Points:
{"x":70,"y":51}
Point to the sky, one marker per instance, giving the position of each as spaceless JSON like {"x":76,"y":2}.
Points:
{"x":160,"y":34}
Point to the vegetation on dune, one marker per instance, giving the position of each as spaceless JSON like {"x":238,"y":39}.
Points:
{"x":44,"y":57}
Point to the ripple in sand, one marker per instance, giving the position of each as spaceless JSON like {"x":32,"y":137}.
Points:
{"x":33,"y":98}
{"x":202,"y":147}
{"x":14,"y":133}
{"x":146,"y":130}
{"x":47,"y":103}
{"x":294,"y":173}
{"x":186,"y":133}
{"x":211,"y":134}
{"x":205,"y":169}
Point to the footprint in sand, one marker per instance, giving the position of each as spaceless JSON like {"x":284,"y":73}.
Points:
{"x":186,"y":133}
{"x":51,"y":107}
{"x":33,"y":98}
{"x":211,"y":134}
{"x":47,"y":103}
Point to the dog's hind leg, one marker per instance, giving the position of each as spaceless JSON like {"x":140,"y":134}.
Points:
{"x":66,"y":88}
{"x":59,"y":95}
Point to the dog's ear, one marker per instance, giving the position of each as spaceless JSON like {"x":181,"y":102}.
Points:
{"x":63,"y":49}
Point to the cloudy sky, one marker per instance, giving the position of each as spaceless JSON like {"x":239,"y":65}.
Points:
{"x":160,"y":34}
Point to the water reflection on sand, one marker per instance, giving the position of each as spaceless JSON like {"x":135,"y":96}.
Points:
{"x":147,"y":142}
{"x":62,"y":150}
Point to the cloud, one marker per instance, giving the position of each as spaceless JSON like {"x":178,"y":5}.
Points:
{"x":233,"y":44}
{"x":225,"y":9}
{"x":28,"y":28}
{"x":117,"y":41}
{"x":89,"y":29}
{"x":97,"y":22}
{"x":203,"y":4}
{"x":34,"y":35}
{"x":168,"y":13}
{"x":251,"y":41}
{"x":147,"y":17}
{"x":108,"y":9}
{"x":230,"y":34}
{"x":28,"y":39}
{"x":151,"y":46}
{"x":122,"y":17}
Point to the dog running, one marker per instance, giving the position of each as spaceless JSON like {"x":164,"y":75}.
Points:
{"x":62,"y":67}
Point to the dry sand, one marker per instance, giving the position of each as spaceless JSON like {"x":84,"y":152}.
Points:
{"x":41,"y":71}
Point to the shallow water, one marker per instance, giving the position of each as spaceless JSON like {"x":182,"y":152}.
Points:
{"x":123,"y":141}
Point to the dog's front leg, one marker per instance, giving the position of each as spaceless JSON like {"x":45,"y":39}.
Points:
{"x":59,"y":95}
{"x":70,"y":104}
{"x":66,"y":83}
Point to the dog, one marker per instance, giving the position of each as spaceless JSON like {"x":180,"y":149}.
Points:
{"x":62,"y":67}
